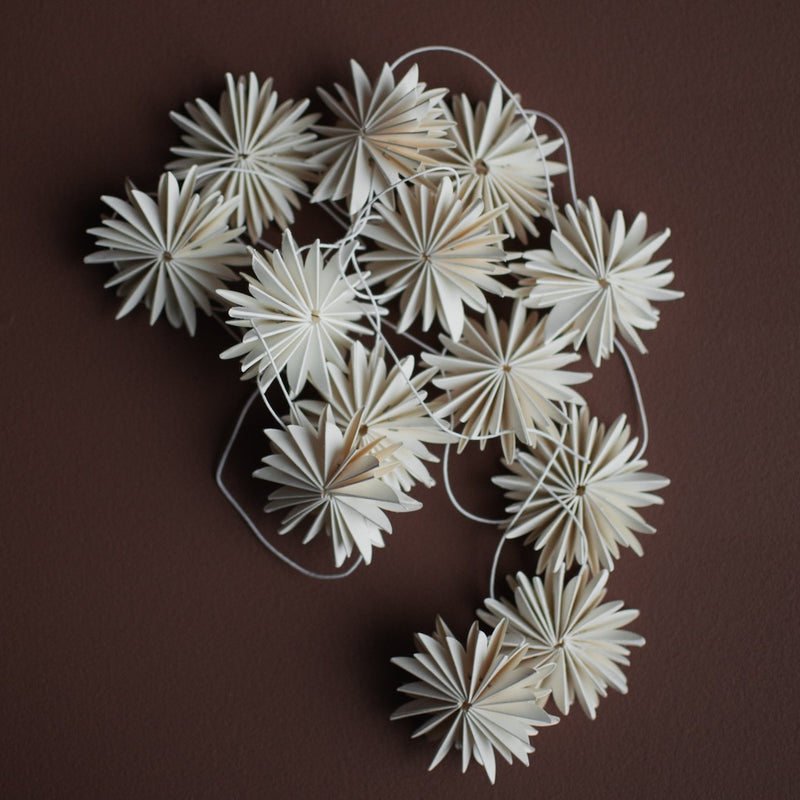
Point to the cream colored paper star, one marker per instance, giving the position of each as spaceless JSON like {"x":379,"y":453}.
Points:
{"x":497,"y":159}
{"x":330,"y":479}
{"x":251,"y":149}
{"x":300,"y":314}
{"x":172,"y":252}
{"x":391,"y":410}
{"x":505,"y":379}
{"x":598,"y":280}
{"x":479,"y":697}
{"x":566,"y":625}
{"x":583,"y":511}
{"x":383,"y":133}
{"x":440,"y":252}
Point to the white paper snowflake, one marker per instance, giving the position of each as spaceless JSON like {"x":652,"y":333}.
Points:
{"x":391,"y":410}
{"x":252,"y":150}
{"x":480,"y":698}
{"x":583,"y":511}
{"x":301,"y":314}
{"x":505,"y":377}
{"x":383,"y":133}
{"x":439,"y":251}
{"x":497,"y":159}
{"x":567,"y":626}
{"x":172,"y":252}
{"x":597,"y":280}
{"x":330,"y":479}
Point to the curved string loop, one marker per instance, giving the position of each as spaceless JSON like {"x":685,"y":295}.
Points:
{"x":325,"y":576}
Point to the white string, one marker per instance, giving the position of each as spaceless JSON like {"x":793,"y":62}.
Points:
{"x":424,"y":346}
{"x":246,"y":517}
{"x":639,"y":402}
{"x":452,"y":497}
{"x":513,"y":520}
{"x":567,"y":153}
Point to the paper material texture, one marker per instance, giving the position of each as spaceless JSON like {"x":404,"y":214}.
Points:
{"x":567,"y":626}
{"x":480,"y":698}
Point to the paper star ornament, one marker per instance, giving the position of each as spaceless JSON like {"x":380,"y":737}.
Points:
{"x":504,"y":379}
{"x":171,"y":252}
{"x":480,"y":698}
{"x":439,"y":251}
{"x":300,"y":314}
{"x":583,"y":510}
{"x":497,"y":159}
{"x":597,"y":279}
{"x":383,"y":132}
{"x":392,"y":410}
{"x":565,"y":624}
{"x":252,"y":149}
{"x":330,"y":479}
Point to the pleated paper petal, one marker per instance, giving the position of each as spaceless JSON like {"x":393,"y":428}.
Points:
{"x":563,"y":623}
{"x":331,"y":481}
{"x":481,"y":698}
{"x":582,"y":511}
{"x":498,"y":160}
{"x":252,"y":149}
{"x":171,"y":253}
{"x":439,"y":251}
{"x":301,"y":315}
{"x":391,"y":410}
{"x":383,"y":133}
{"x":505,"y":379}
{"x":598,"y":280}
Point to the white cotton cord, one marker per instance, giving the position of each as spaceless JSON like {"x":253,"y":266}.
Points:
{"x":512,"y":521}
{"x":275,"y":369}
{"x":567,"y":151}
{"x":510,"y":95}
{"x":246,"y":517}
{"x":639,"y":402}
{"x":451,"y":494}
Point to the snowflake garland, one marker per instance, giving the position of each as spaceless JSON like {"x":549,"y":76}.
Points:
{"x":432,"y":191}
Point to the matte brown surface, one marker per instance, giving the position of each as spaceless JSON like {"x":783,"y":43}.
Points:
{"x":150,"y":648}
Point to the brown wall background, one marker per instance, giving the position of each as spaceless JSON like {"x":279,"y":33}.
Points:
{"x":150,"y":648}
